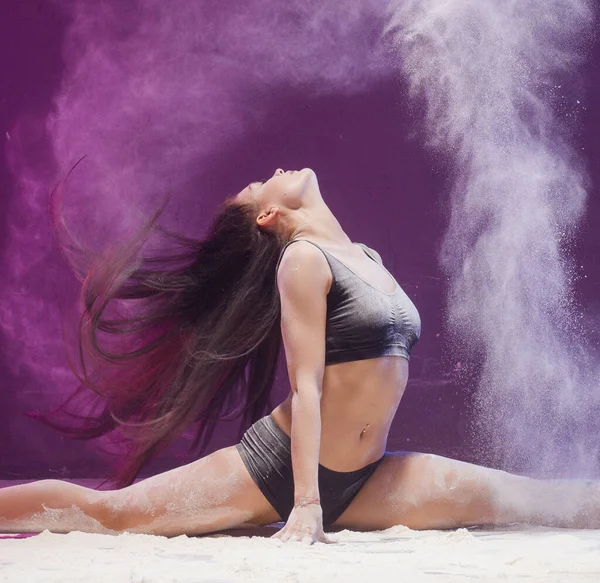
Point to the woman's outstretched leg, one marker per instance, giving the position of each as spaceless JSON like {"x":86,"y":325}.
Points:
{"x":50,"y":504}
{"x":424,"y":491}
{"x":213,"y":493}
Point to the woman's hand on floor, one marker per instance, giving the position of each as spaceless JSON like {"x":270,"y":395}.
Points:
{"x":305,"y":524}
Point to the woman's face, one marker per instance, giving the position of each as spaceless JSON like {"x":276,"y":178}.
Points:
{"x":282,"y":192}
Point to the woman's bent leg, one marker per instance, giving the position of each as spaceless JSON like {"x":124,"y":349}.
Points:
{"x":424,"y":491}
{"x":213,"y":493}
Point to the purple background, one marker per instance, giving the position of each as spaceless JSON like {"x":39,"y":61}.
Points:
{"x":354,"y":143}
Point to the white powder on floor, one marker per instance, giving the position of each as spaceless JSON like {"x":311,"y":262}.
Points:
{"x":397,"y":554}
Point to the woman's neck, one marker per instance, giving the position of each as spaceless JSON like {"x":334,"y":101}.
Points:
{"x":320,"y":224}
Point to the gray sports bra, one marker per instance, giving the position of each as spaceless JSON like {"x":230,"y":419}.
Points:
{"x":362,"y":321}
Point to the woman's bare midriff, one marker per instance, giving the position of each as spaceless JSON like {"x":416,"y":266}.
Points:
{"x":358,"y":403}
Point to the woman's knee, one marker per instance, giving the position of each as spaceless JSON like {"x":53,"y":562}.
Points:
{"x":444,"y":493}
{"x":122,"y":510}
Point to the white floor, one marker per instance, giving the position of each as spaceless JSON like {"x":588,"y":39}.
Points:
{"x":397,"y":554}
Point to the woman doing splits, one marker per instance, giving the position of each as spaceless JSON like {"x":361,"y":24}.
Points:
{"x":275,"y":268}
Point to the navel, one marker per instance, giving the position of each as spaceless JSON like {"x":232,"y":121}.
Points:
{"x":363,"y":431}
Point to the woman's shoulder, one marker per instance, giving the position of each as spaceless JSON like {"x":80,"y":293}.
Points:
{"x":302,"y":248}
{"x":303,"y":264}
{"x":304,"y":252}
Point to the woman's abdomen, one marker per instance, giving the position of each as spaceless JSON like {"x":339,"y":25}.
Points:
{"x":358,"y":404}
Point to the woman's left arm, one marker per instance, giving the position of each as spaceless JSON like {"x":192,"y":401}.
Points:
{"x":303,"y":281}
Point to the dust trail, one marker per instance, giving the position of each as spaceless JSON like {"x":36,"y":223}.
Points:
{"x":491,"y":75}
{"x":153,"y":93}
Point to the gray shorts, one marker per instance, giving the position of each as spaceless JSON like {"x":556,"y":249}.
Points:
{"x":265,"y":451}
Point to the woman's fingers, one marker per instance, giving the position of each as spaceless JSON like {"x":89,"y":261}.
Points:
{"x":302,"y":538}
{"x":288,"y":533}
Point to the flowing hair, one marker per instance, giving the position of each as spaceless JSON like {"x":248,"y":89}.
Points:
{"x":200,"y":341}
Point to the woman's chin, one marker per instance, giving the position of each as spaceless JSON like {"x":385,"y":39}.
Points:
{"x":305,"y":171}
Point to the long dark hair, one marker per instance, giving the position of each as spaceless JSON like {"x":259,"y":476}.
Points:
{"x":200,"y":342}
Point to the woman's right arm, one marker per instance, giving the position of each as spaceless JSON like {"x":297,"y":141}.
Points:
{"x":303,"y":280}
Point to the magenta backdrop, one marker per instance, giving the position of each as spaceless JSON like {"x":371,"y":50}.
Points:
{"x":384,"y":188}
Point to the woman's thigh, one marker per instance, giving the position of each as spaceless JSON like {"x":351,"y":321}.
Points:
{"x":425,"y":491}
{"x":213,"y":493}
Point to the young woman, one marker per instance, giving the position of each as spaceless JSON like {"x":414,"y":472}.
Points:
{"x":276,"y":265}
